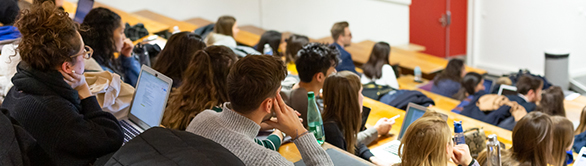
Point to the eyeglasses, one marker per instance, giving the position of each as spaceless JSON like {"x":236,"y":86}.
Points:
{"x":87,"y":53}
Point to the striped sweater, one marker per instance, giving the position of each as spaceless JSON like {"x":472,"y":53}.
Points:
{"x":236,"y":133}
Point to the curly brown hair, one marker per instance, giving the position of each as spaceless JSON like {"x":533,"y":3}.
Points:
{"x":49,"y":37}
{"x":203,"y":87}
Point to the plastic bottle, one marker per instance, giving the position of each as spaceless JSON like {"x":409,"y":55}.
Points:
{"x":267,"y":50}
{"x":314,"y":121}
{"x":459,"y":133}
{"x":417,"y":74}
{"x":493,"y":151}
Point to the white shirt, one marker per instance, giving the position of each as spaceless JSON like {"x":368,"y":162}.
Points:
{"x":8,"y":62}
{"x":388,"y":78}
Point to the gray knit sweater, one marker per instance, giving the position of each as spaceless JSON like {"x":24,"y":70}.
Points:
{"x":236,"y":133}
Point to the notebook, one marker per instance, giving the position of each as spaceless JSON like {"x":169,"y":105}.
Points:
{"x":390,"y":150}
{"x":148,"y":103}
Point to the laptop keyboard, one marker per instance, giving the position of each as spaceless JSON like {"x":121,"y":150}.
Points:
{"x":129,"y":131}
{"x":393,"y":149}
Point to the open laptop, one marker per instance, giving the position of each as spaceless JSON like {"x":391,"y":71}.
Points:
{"x":148,"y":103}
{"x":391,"y":149}
{"x":83,"y":8}
{"x":507,"y":90}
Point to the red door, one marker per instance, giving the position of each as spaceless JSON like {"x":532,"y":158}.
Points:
{"x":441,"y":28}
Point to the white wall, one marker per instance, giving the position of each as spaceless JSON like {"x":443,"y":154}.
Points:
{"x":378,"y":20}
{"x":513,"y":34}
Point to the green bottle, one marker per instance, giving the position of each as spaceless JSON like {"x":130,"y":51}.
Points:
{"x":314,"y":121}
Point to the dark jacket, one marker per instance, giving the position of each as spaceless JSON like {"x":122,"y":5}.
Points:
{"x":70,"y":130}
{"x":446,"y":87}
{"x":494,"y":117}
{"x":579,"y":142}
{"x":18,"y":147}
{"x":160,"y":146}
{"x":528,"y":105}
{"x":335,"y":137}
{"x":346,"y":62}
{"x":410,"y":96}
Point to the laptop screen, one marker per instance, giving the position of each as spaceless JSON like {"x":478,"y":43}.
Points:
{"x":150,"y":99}
{"x":83,"y":8}
{"x":412,"y":114}
{"x":507,"y":90}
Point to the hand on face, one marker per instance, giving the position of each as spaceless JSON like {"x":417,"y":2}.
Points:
{"x":461,"y":155}
{"x":73,"y":79}
{"x":127,"y":48}
{"x":287,"y":118}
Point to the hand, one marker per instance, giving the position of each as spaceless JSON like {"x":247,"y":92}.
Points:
{"x":266,"y":126}
{"x":287,"y":119}
{"x":127,"y":48}
{"x":384,"y":125}
{"x":59,"y":3}
{"x":461,"y":155}
{"x":77,"y":82}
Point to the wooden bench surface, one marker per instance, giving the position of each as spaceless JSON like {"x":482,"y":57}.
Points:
{"x":198,"y":21}
{"x":183,"y":26}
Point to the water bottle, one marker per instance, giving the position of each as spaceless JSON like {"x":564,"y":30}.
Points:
{"x":493,"y":151}
{"x":314,"y":121}
{"x":459,"y":133}
{"x":267,"y":50}
{"x":176,"y":30}
{"x":417,"y":73}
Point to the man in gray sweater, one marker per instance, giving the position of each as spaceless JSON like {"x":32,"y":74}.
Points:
{"x":253,"y":88}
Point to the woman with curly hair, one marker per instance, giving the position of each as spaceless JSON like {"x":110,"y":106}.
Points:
{"x":105,"y":33}
{"x":50,"y":97}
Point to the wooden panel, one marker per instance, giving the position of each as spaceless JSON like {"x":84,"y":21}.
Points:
{"x":183,"y":26}
{"x":150,"y":25}
{"x":408,"y":82}
{"x":200,"y":22}
{"x":252,"y":29}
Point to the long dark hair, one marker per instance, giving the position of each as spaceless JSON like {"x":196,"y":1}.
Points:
{"x":452,"y":72}
{"x":294,"y":44}
{"x":100,"y":24}
{"x":532,"y":139}
{"x":273,"y":38}
{"x":552,"y":102}
{"x":204,"y":86}
{"x":378,"y":57}
{"x":469,"y":84}
{"x":341,"y":92}
{"x":224,"y":25}
{"x":175,"y":58}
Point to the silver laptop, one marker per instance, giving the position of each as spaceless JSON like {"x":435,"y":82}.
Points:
{"x":390,"y":150}
{"x":148,"y":103}
{"x":507,"y":90}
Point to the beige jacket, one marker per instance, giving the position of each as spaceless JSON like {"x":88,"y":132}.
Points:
{"x":113,"y":95}
{"x":492,"y":102}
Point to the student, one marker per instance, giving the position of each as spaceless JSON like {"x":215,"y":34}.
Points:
{"x":527,"y":150}
{"x":224,"y":31}
{"x":294,"y":44}
{"x":50,"y":97}
{"x":447,"y":83}
{"x":314,"y":63}
{"x":529,"y":89}
{"x":8,"y":11}
{"x":378,"y":68}
{"x":273,"y":39}
{"x":343,"y":38}
{"x":552,"y":102}
{"x":105,"y":34}
{"x":428,"y":141}
{"x":342,"y":120}
{"x":210,"y":66}
{"x":582,"y":126}
{"x":563,"y":136}
{"x":472,"y":88}
{"x":253,"y":90}
{"x":175,"y":58}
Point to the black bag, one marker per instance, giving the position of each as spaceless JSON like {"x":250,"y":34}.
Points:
{"x":374,"y":91}
{"x":135,"y":32}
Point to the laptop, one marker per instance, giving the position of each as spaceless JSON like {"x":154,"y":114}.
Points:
{"x":507,"y":90}
{"x":391,"y":149}
{"x":83,"y":8}
{"x":148,"y":103}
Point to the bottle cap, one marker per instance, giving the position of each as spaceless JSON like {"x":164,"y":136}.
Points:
{"x":310,"y":94}
{"x":492,"y":137}
{"x":458,"y":126}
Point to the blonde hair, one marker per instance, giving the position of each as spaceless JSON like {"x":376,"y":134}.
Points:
{"x":424,"y":143}
{"x":340,"y":94}
{"x":563,"y":137}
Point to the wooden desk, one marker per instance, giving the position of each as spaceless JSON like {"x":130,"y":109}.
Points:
{"x":170,"y":22}
{"x":199,"y":22}
{"x":253,"y":29}
{"x":291,"y":153}
{"x":408,"y":82}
